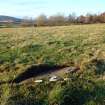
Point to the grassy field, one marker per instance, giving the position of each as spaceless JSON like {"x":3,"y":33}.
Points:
{"x":73,"y":45}
{"x":22,"y":47}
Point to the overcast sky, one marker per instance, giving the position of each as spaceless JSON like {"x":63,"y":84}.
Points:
{"x":32,"y":8}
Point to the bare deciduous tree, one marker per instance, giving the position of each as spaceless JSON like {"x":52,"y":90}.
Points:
{"x":41,"y":20}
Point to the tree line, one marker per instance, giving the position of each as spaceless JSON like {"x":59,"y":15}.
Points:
{"x":61,"y":20}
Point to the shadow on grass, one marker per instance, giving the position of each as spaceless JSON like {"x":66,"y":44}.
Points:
{"x":21,"y":100}
{"x":84,"y":94}
{"x":74,"y":94}
{"x":100,"y":66}
{"x":96,"y":65}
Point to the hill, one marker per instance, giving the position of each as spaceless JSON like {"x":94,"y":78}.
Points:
{"x":9,"y":19}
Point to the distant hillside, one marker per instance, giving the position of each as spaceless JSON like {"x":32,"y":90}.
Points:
{"x":9,"y":19}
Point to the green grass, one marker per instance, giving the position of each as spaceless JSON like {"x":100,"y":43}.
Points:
{"x":76,"y":45}
{"x":51,"y":45}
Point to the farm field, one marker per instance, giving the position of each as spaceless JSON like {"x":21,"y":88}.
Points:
{"x":80,"y":46}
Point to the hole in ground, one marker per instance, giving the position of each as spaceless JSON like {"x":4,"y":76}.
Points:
{"x":37,"y":70}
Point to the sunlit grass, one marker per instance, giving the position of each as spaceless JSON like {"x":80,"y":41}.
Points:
{"x":76,"y":45}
